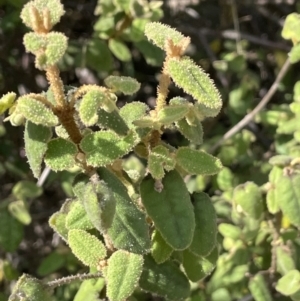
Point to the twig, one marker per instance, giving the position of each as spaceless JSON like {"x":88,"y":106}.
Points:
{"x":43,"y":177}
{"x":236,"y":26}
{"x":72,"y":278}
{"x":240,"y":125}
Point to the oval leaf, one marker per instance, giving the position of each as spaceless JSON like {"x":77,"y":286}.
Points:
{"x":165,"y":280}
{"x":197,"y":162}
{"x":60,"y":154}
{"x":123,"y":273}
{"x":194,"y":81}
{"x":129,"y":230}
{"x":125,"y":84}
{"x":205,"y":236}
{"x":105,"y":147}
{"x":160,"y":250}
{"x":170,"y":209}
{"x":36,"y":112}
{"x":36,"y":138}
{"x":86,"y":247}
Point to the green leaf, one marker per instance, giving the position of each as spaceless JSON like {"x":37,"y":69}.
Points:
{"x":36,"y":112}
{"x":289,"y":284}
{"x":231,"y":231}
{"x":36,"y":138}
{"x":288,"y":196}
{"x":295,"y":54}
{"x":194,"y":81}
{"x":34,"y":42}
{"x":19,"y":210}
{"x":54,"y":7}
{"x":90,"y":289}
{"x":120,"y":50}
{"x":197,"y":162}
{"x":125,"y":84}
{"x":165,"y":280}
{"x":26,"y":189}
{"x":77,"y":218}
{"x":170,"y":209}
{"x":86,"y":247}
{"x":98,"y":56}
{"x":172,"y":113}
{"x":129,"y":230}
{"x":112,"y":121}
{"x":159,"y":34}
{"x":290,"y":27}
{"x":105,"y":147}
{"x":284,"y":260}
{"x":60,"y":154}
{"x":194,"y":132}
{"x":159,"y":159}
{"x":160,"y":250}
{"x":100,"y":205}
{"x":51,"y":263}
{"x":57,"y":44}
{"x":205,"y":236}
{"x":248,"y":199}
{"x":133,"y":111}
{"x":123,"y":273}
{"x":196,"y":268}
{"x":259,"y":288}
{"x":6,"y":101}
{"x":31,"y":289}
{"x":272,"y":196}
{"x":57,"y":222}
{"x":11,"y":233}
{"x":89,"y":105}
{"x":154,"y":56}
{"x":79,"y":184}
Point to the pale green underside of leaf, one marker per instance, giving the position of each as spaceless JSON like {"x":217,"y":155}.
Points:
{"x":86,"y":247}
{"x":160,"y":250}
{"x":125,"y":84}
{"x":36,"y":138}
{"x":159,"y":33}
{"x":36,"y":112}
{"x":123,"y":273}
{"x":197,"y":162}
{"x":194,"y":81}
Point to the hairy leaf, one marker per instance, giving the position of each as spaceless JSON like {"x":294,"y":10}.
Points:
{"x":125,"y":84}
{"x":160,"y":250}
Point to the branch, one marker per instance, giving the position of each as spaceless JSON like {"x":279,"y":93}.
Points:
{"x":240,"y":125}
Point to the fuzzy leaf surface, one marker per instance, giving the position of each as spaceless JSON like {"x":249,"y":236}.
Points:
{"x":112,"y":121}
{"x":288,"y":193}
{"x":249,"y":198}
{"x":105,"y":147}
{"x":159,"y":34}
{"x":172,"y":113}
{"x":170,"y":209}
{"x":123,"y":273}
{"x":160,"y":159}
{"x":205,"y":236}
{"x":6,"y":101}
{"x":129,"y":230}
{"x":36,"y":112}
{"x":54,"y":7}
{"x":197,"y":268}
{"x":86,"y":247}
{"x":165,"y":280}
{"x":194,"y":133}
{"x":125,"y":84}
{"x":133,"y":111}
{"x":160,"y":250}
{"x":31,"y":289}
{"x":60,"y":154}
{"x":197,"y":162}
{"x":194,"y":81}
{"x":36,"y":138}
{"x":100,"y":205}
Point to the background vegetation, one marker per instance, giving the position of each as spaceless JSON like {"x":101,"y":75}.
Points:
{"x":239,"y":44}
